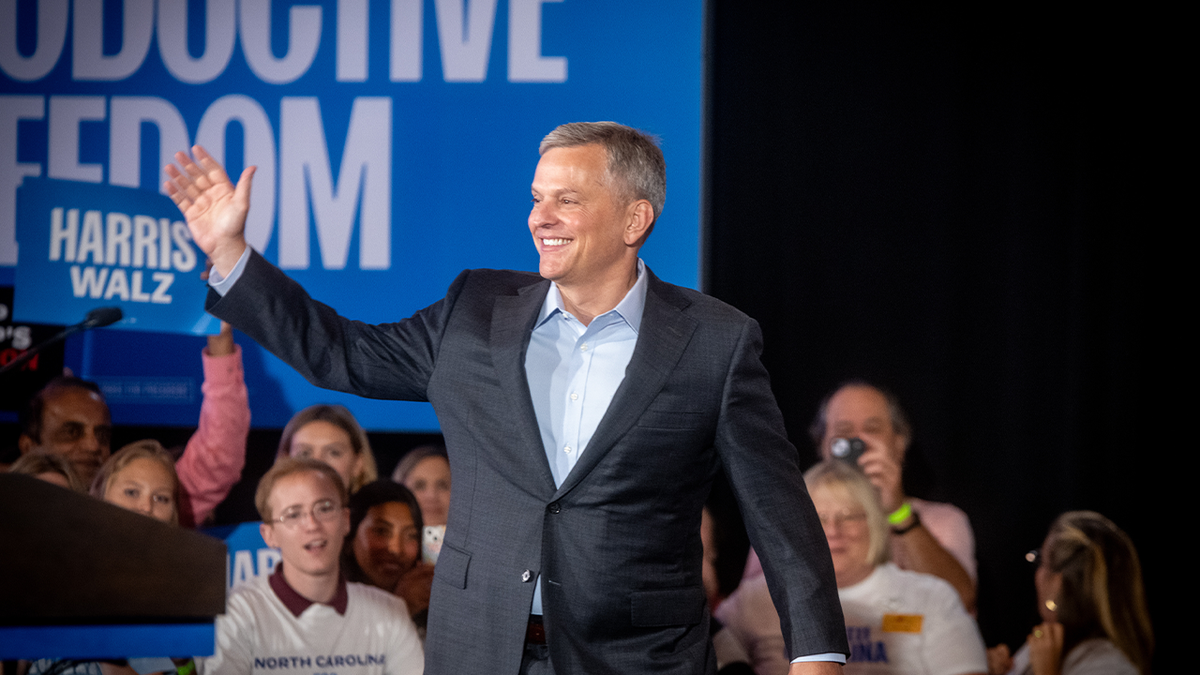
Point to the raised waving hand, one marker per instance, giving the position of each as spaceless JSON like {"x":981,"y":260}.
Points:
{"x":214,"y":208}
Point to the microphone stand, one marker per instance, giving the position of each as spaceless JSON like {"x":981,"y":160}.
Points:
{"x":96,"y":318}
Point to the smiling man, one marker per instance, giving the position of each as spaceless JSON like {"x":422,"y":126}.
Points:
{"x":69,"y":418}
{"x":586,"y":410}
{"x":305,"y":615}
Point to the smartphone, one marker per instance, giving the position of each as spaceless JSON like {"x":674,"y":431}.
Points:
{"x":431,"y":543}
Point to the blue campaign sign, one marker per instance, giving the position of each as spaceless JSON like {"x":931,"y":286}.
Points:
{"x":88,"y":246}
{"x":395,"y":140}
{"x":249,"y":555}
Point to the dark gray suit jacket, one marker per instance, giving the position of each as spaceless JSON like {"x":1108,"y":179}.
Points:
{"x":618,"y":545}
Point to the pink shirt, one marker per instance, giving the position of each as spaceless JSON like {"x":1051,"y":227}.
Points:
{"x":215,"y":454}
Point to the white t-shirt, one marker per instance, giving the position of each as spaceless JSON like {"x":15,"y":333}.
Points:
{"x":896,"y":622}
{"x":1090,"y":657}
{"x":259,"y":634}
{"x":905,"y":622}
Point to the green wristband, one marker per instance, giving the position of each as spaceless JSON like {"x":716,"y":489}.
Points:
{"x":900,"y":515}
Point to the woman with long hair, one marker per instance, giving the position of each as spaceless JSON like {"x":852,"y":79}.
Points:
{"x":1090,"y":598}
{"x":330,"y":434}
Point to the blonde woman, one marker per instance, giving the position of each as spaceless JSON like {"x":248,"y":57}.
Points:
{"x":1090,"y":597}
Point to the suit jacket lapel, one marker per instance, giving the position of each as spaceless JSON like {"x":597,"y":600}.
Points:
{"x":513,"y":317}
{"x":664,"y":335}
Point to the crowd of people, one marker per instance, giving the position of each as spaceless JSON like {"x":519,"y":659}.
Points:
{"x":352,"y":586}
{"x":358,"y":552}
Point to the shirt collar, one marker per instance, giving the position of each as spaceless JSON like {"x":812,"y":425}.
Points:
{"x":630,"y":308}
{"x":297,"y":603}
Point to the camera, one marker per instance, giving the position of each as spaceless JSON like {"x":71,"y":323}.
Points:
{"x":847,"y":450}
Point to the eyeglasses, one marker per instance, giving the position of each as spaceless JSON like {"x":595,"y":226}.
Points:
{"x":323,"y":511}
{"x":842,"y":518}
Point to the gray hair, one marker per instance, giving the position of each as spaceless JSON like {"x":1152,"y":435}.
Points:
{"x":636,"y":168}
{"x":900,"y":423}
{"x":841,"y":478}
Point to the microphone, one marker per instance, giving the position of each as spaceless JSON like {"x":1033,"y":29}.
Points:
{"x":100,"y":317}
{"x":97,"y":318}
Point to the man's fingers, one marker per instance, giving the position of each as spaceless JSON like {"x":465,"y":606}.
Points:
{"x":181,"y":200}
{"x":214,"y":173}
{"x":190,"y":166}
{"x":178,"y":182}
{"x":182,"y":158}
{"x":182,"y":186}
{"x":242,"y":192}
{"x":178,"y":196}
{"x":201,"y":154}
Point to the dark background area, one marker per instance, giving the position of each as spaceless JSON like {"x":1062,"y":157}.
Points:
{"x":949,"y":202}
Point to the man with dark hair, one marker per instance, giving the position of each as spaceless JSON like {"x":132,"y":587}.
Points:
{"x":69,"y":417}
{"x":585,"y":410}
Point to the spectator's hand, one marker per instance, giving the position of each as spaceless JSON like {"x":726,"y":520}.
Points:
{"x":999,"y":660}
{"x":214,"y":208}
{"x":414,"y":587}
{"x":884,"y":471}
{"x":221,"y":344}
{"x":1045,"y":648}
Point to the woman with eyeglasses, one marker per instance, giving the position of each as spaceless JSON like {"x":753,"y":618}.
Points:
{"x":1090,"y":598}
{"x":897,"y":621}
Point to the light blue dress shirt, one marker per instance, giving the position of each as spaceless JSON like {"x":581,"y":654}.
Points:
{"x":573,"y":372}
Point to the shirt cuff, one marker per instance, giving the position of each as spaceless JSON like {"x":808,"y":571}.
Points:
{"x":836,"y":657}
{"x":222,"y":284}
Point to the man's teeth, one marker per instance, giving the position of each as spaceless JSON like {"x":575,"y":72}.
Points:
{"x":555,"y":242}
{"x":315,"y":544}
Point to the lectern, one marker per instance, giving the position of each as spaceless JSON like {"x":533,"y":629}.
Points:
{"x":80,"y":578}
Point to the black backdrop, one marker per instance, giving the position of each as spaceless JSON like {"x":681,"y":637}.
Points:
{"x":944,"y":201}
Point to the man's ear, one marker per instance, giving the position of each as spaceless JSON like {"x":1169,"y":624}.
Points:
{"x":26,"y":444}
{"x":639,"y":220}
{"x":902,"y":447}
{"x":267,"y":530}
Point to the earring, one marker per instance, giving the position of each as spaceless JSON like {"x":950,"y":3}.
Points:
{"x":1052,"y":605}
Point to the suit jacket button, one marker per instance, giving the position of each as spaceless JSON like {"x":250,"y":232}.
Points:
{"x":526,"y":576}
{"x":554,"y":507}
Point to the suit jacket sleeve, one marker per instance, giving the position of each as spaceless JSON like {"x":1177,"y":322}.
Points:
{"x":780,"y":519}
{"x":385,"y":361}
